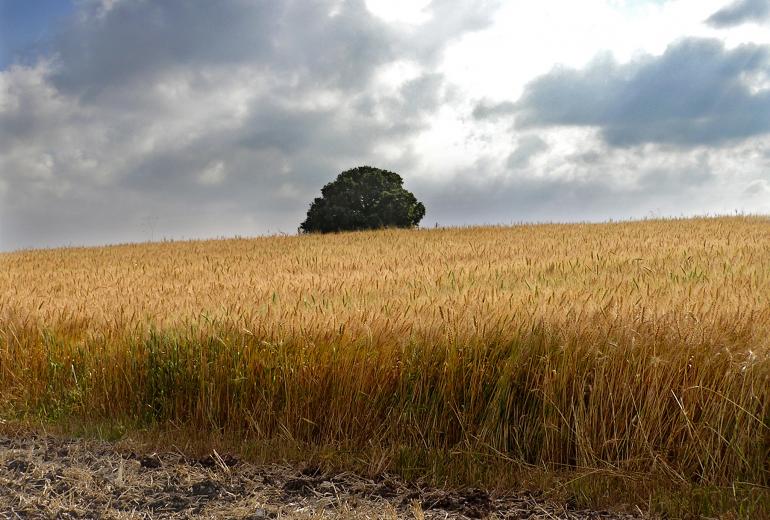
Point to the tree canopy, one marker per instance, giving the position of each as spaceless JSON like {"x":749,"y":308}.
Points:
{"x":363,"y":198}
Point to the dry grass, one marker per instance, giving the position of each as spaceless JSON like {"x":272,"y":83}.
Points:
{"x":640,"y":349}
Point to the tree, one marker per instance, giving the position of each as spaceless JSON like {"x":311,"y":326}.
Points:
{"x":363,"y":198}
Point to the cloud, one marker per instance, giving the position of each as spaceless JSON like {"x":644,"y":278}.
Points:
{"x":528,"y":147}
{"x":333,"y":44}
{"x":757,"y":188}
{"x":696,"y":93}
{"x":487,"y":110}
{"x":209,"y":118}
{"x":449,"y":21}
{"x":611,"y":184}
{"x":137,"y":42}
{"x":534,"y":198}
{"x":739,"y":12}
{"x":193,"y":119}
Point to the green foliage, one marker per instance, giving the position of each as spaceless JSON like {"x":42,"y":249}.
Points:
{"x":363,"y":198}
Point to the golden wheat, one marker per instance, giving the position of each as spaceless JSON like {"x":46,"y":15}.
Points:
{"x":640,"y":347}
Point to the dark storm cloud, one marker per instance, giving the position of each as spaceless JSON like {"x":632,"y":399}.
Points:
{"x":739,"y":12}
{"x":135,"y":42}
{"x":306,"y":41}
{"x":275,"y":143}
{"x":272,"y":163}
{"x":696,"y":93}
{"x":208,"y":117}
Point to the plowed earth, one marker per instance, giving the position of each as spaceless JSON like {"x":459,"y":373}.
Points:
{"x":50,"y":477}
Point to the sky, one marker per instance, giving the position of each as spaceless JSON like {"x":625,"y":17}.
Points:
{"x":135,"y":120}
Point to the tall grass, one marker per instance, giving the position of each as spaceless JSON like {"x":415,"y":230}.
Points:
{"x":636,"y":348}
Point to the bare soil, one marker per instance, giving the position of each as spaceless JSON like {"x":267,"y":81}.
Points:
{"x":49,"y":477}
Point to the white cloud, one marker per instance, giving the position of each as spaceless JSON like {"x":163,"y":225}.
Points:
{"x":529,"y":38}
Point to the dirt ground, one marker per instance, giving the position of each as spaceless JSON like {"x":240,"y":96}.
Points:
{"x":49,"y":477}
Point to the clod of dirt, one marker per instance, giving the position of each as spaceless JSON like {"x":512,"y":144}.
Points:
{"x":172,"y":504}
{"x":473,"y":503}
{"x":299,"y":486}
{"x":150,"y":462}
{"x":20,"y":466}
{"x":386,"y":489}
{"x":211,"y":462}
{"x":311,"y":471}
{"x":477,"y":504}
{"x":261,"y":514}
{"x":207,"y":488}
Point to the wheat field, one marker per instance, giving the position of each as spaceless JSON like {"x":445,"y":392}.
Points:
{"x":635,"y":348}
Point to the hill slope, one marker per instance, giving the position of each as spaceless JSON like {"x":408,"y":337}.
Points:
{"x":633,"y":350}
